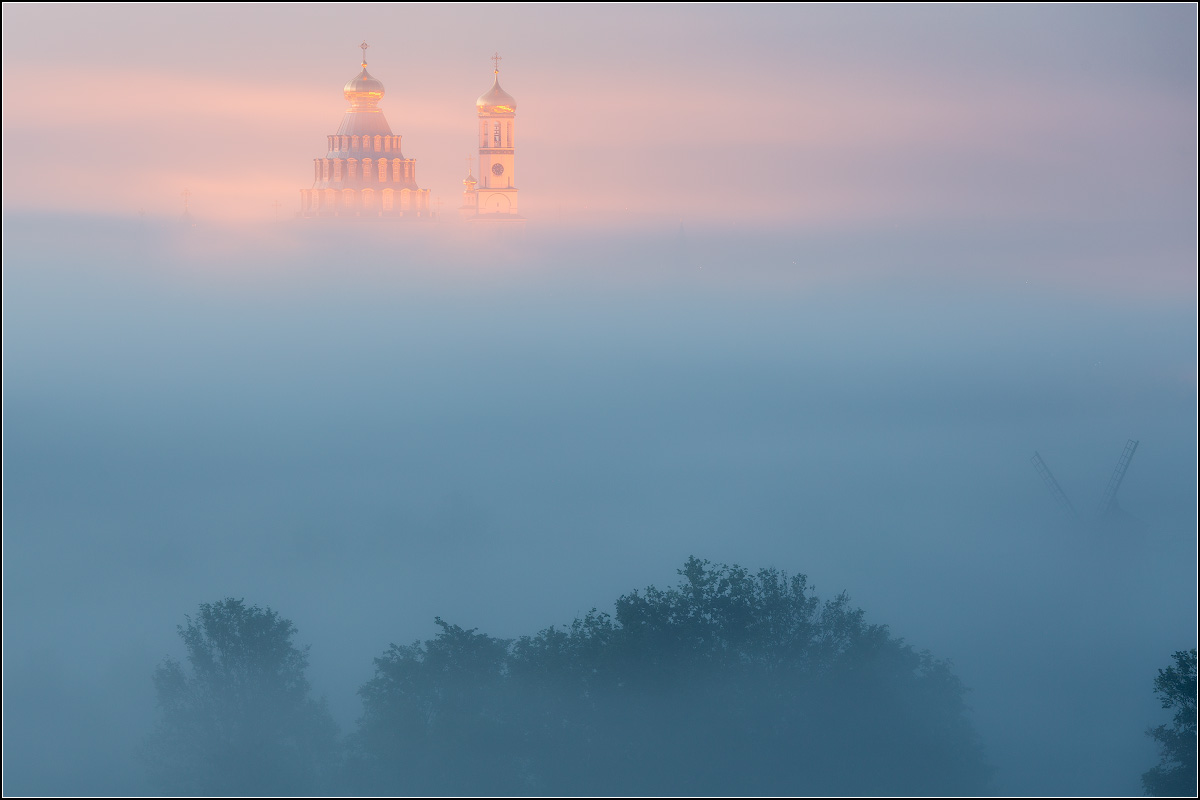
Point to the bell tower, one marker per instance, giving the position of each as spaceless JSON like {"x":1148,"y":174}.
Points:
{"x":496,"y":190}
{"x":470,"y":203}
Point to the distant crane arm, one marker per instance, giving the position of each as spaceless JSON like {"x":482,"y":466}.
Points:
{"x":1051,"y":484}
{"x":1109,"y":500}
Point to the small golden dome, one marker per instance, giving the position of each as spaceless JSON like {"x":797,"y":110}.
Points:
{"x":496,"y":101}
{"x":363,"y":90}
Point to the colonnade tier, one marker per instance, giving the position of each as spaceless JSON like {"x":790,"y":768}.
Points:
{"x":342,"y":146}
{"x":364,"y":202}
{"x":354,"y":173}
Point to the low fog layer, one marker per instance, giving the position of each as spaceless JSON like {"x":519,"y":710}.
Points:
{"x":364,"y":431}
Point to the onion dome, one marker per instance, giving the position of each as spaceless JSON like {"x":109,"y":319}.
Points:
{"x":496,"y":101}
{"x":363,"y":90}
{"x":364,"y":117}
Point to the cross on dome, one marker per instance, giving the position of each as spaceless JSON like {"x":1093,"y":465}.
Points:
{"x":497,"y":101}
{"x":364,"y":91}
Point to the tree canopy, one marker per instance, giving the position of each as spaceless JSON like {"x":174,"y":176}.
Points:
{"x":1175,"y":774}
{"x":241,"y":721}
{"x":730,"y":682}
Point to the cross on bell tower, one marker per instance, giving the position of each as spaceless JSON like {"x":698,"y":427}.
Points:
{"x":186,"y":217}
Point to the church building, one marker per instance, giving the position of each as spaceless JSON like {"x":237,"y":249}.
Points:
{"x":493,"y":197}
{"x":364,"y":173}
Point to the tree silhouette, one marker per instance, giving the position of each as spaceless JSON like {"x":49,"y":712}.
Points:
{"x":433,"y":716}
{"x":730,"y":682}
{"x":1175,"y":686}
{"x":242,"y":721}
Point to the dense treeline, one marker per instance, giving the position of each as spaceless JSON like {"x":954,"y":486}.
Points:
{"x":731,"y":682}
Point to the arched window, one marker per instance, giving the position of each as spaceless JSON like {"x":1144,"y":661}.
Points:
{"x":377,"y":143}
{"x":337,"y":170}
{"x":368,"y":199}
{"x":351,"y":168}
{"x":383,"y":170}
{"x":389,"y":199}
{"x":509,"y":132}
{"x":366,"y":169}
{"x":348,"y":199}
{"x":496,"y":134}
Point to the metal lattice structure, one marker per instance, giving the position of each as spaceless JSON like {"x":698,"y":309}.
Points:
{"x":1052,"y":484}
{"x":1108,"y":502}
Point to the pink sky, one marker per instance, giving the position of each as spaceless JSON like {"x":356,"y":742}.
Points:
{"x":636,"y":116}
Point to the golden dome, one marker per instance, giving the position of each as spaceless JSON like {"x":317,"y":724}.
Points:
{"x":363,"y":90}
{"x":496,"y":101}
